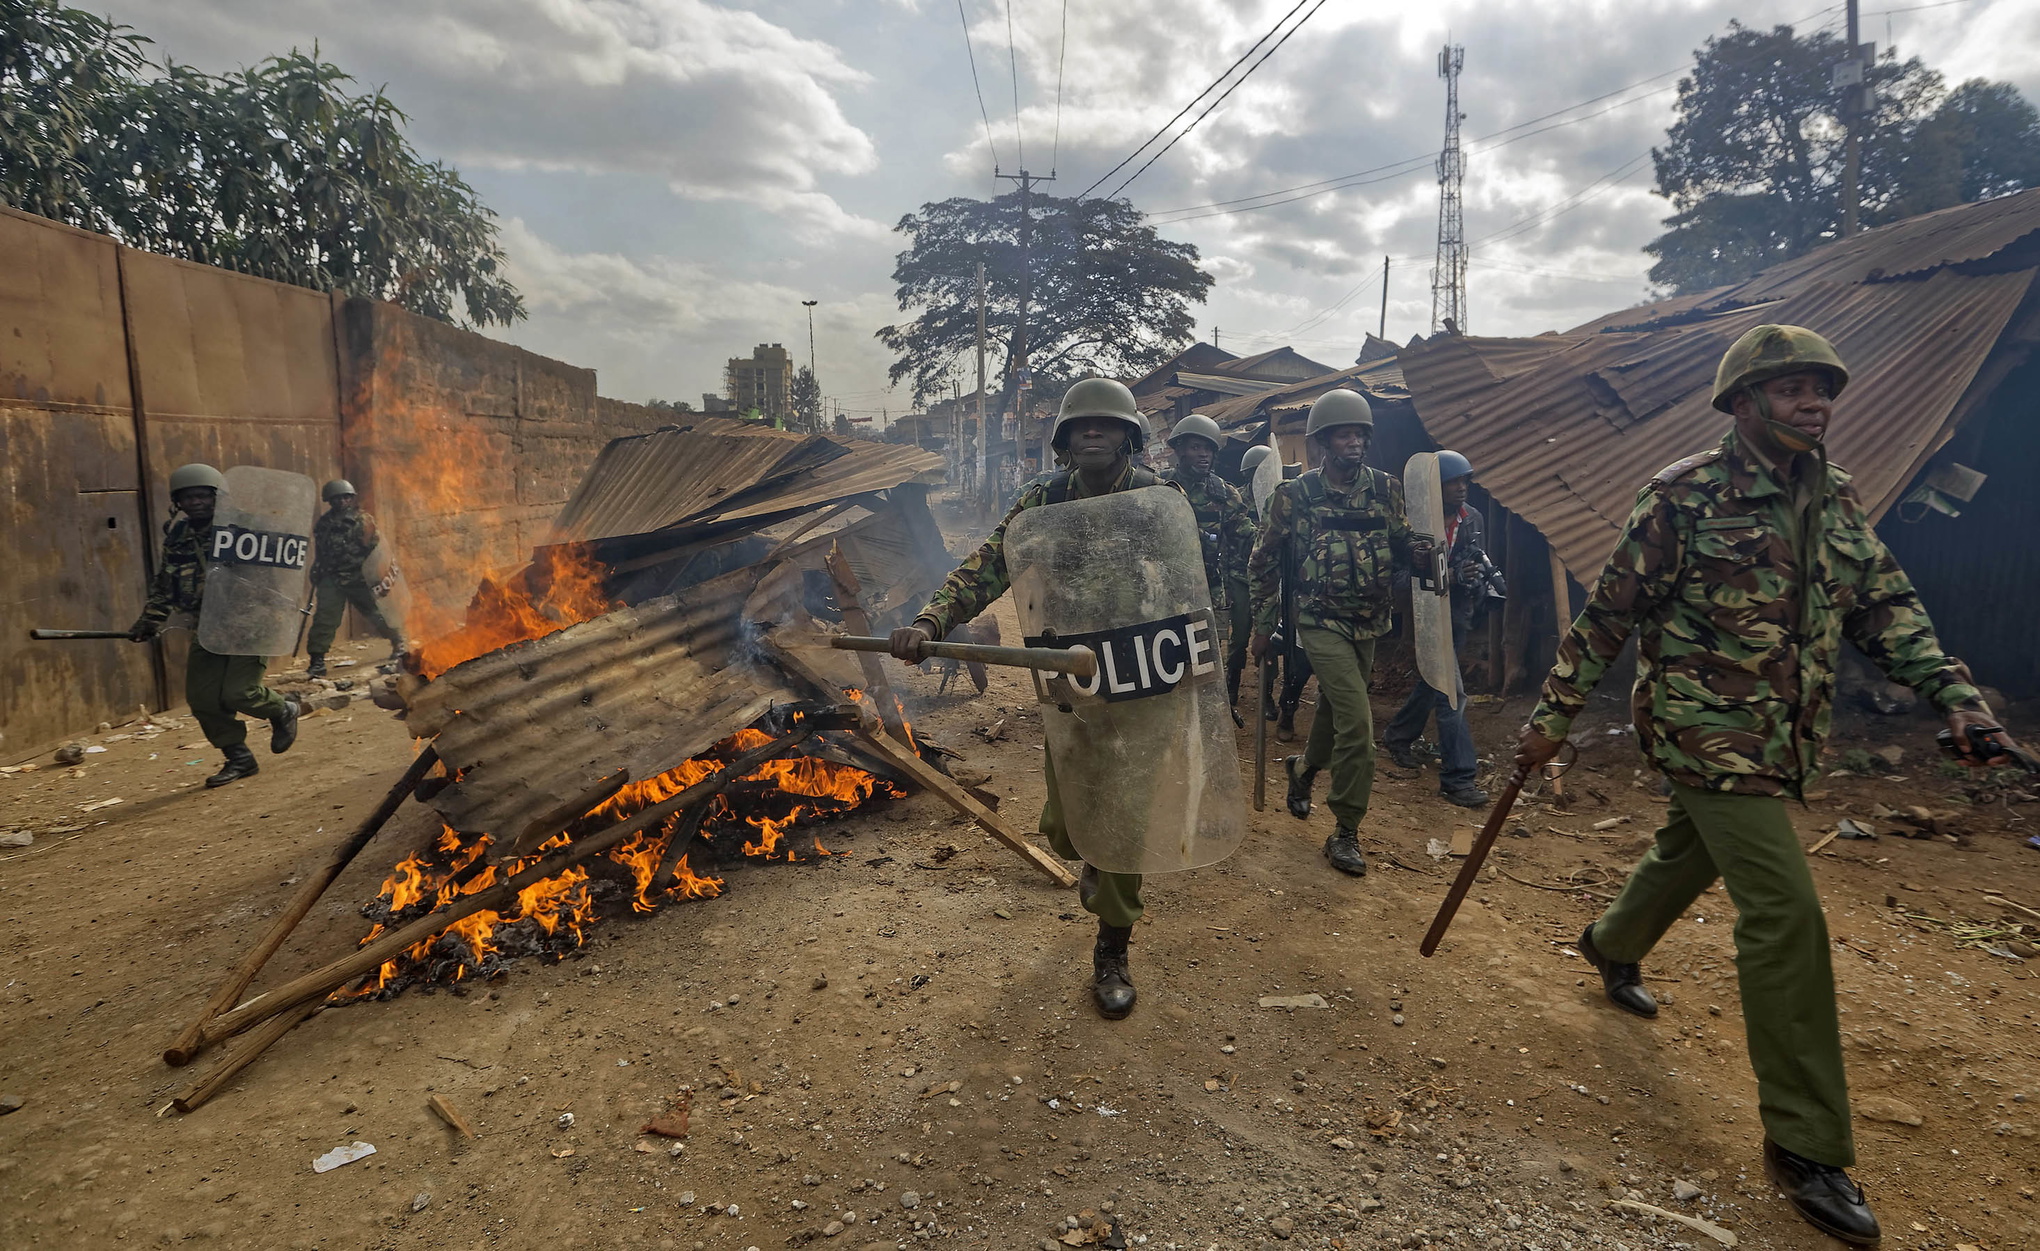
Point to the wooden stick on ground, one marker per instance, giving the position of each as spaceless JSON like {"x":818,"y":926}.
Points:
{"x":187,"y":1046}
{"x":448,"y":1113}
{"x":254,"y":1045}
{"x":323,"y":981}
{"x":859,"y":622}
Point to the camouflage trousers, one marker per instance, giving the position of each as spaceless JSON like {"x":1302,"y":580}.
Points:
{"x":1117,"y":899}
{"x":1781,"y":953}
{"x":219,"y":687}
{"x":333,"y":598}
{"x":1342,"y":732}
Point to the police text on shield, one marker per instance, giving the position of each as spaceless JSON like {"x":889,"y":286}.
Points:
{"x":1143,"y":660}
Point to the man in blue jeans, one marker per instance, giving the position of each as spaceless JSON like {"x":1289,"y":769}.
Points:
{"x":1472,"y":585}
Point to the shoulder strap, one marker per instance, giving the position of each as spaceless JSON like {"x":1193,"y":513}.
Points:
{"x":1143,"y":478}
{"x":1312,"y":483}
{"x":1059,"y":487}
{"x":1680,"y":468}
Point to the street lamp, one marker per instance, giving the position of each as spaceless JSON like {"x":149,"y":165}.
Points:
{"x":809,"y":305}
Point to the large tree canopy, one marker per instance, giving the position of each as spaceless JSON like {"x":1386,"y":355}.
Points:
{"x":277,"y":170}
{"x":1109,"y":295}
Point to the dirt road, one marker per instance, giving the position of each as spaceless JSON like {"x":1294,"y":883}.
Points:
{"x":894,"y":1046}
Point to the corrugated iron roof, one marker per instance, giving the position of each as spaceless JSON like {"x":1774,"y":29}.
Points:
{"x":1379,"y":380}
{"x":714,"y":469}
{"x":1565,"y":428}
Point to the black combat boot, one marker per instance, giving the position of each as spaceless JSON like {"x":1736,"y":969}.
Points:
{"x":283,"y":728}
{"x":1404,"y":755}
{"x":316,"y":669}
{"x":1301,"y":778}
{"x":1623,"y":982}
{"x":1111,"y":984}
{"x":1343,"y":850}
{"x":1285,"y":725}
{"x":1823,"y":1194}
{"x":240,"y":764}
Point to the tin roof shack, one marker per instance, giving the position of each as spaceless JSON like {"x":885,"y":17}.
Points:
{"x":1202,"y":375}
{"x":1937,"y":317}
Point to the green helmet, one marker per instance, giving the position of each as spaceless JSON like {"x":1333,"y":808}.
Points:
{"x":1255,"y":455}
{"x":1338,"y":408}
{"x":1767,"y":352}
{"x":1197,"y":426}
{"x":335,"y":489}
{"x":186,"y":476}
{"x":1098,"y":397}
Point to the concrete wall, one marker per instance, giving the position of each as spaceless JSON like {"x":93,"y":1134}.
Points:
{"x":116,"y":366}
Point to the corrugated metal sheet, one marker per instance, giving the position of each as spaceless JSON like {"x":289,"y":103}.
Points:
{"x":1379,"y":380}
{"x":546,"y":729}
{"x":717,"y":470}
{"x":1566,"y":428}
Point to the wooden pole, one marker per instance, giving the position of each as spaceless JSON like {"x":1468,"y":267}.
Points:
{"x":323,"y":981}
{"x":187,"y":1046}
{"x":240,"y":1058}
{"x":1561,"y":594}
{"x":848,"y":592}
{"x":1079,"y":662}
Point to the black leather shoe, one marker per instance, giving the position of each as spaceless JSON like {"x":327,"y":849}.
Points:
{"x":1404,"y":755}
{"x":1285,"y":726}
{"x":1111,"y":983}
{"x":1467,"y":797}
{"x":240,"y":764}
{"x":1343,"y":850}
{"x":316,"y":669}
{"x":283,"y":730}
{"x":1623,"y":982}
{"x":1301,"y":778}
{"x":1823,"y":1194}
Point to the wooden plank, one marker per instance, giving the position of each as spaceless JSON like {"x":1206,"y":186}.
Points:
{"x":857,"y":621}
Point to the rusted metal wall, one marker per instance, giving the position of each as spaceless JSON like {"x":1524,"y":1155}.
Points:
{"x":71,"y":520}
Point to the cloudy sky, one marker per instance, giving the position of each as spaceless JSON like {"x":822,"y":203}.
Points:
{"x":675,"y":176}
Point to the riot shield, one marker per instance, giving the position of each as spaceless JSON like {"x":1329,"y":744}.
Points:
{"x":1267,"y":476}
{"x":1431,"y":594}
{"x":1146,"y":766}
{"x":386,"y":582}
{"x":257,"y":561}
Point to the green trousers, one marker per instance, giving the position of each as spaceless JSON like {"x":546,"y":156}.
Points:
{"x":1117,"y":899}
{"x":1342,"y":732}
{"x":333,"y":598}
{"x":1781,"y":953}
{"x":217,"y":687}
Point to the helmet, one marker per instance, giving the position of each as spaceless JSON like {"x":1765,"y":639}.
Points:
{"x":1767,"y":352}
{"x":1452,"y":465}
{"x":1338,"y":408}
{"x":1197,"y":426}
{"x":185,"y":476}
{"x":335,"y":489}
{"x":1255,"y":455}
{"x":1098,"y":397}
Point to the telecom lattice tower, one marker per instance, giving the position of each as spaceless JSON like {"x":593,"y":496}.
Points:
{"x":1448,"y":277}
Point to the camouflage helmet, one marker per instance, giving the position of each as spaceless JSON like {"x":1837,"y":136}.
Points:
{"x":1197,"y":426}
{"x":1255,"y":455}
{"x":1339,"y":407}
{"x":335,"y":489}
{"x":185,"y":477}
{"x":1098,"y":397}
{"x":1767,"y":352}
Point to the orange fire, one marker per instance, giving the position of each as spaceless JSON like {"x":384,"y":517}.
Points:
{"x":552,"y":915}
{"x":563,"y":587}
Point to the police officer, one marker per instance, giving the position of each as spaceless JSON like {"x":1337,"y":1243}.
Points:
{"x":1741,"y":571}
{"x":1225,"y":523}
{"x":1471,"y":587}
{"x":1096,"y":434}
{"x":1342,"y":531}
{"x":217,"y":687}
{"x":342,"y":540}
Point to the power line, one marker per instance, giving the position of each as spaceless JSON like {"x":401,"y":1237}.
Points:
{"x":1013,"y":62}
{"x":1606,"y":182}
{"x":1062,"y":53}
{"x":982,"y":111}
{"x":1193,"y":103}
{"x":1221,"y":100}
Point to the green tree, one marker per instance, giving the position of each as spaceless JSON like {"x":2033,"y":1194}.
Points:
{"x":1981,"y":143}
{"x":1754,"y":162}
{"x":806,"y":397}
{"x":278,"y":170}
{"x":1109,"y":295}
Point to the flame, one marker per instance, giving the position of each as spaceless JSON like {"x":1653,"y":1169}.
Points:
{"x":552,"y":916}
{"x":563,"y":587}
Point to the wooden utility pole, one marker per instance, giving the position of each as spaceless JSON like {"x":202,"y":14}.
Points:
{"x":1016,"y":364}
{"x":1383,"y":333}
{"x":982,"y":439}
{"x":1852,"y":76}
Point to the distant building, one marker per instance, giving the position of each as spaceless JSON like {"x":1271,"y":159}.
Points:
{"x":1203,"y":375}
{"x":715,"y":404}
{"x":763,"y":380}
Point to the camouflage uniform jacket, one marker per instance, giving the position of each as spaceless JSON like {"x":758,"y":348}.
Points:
{"x":1346,"y":547}
{"x":341,"y":542}
{"x":179,"y":584}
{"x":1225,"y":526}
{"x":982,"y":577}
{"x":1740,"y":601}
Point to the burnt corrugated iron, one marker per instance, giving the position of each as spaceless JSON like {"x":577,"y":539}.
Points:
{"x":1565,"y":429}
{"x":1378,"y":380}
